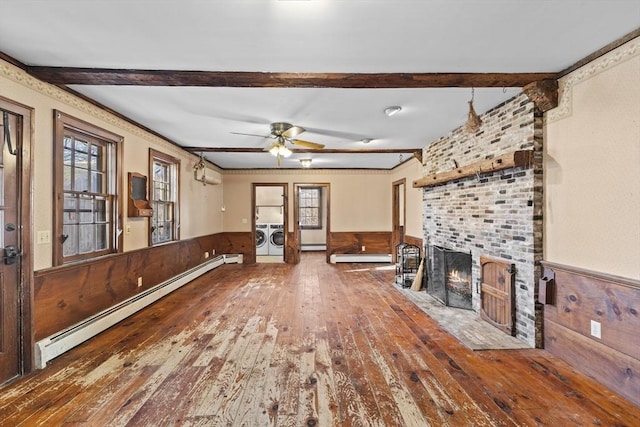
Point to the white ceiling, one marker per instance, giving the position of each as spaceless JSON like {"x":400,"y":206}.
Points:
{"x":312,"y":36}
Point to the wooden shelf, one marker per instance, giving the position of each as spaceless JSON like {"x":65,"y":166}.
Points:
{"x":514,"y":159}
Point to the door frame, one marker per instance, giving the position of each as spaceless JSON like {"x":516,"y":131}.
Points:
{"x":285,"y":215}
{"x":297,"y":244}
{"x":397,"y":230}
{"x":24,"y":167}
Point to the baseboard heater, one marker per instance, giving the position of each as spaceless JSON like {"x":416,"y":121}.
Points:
{"x":335,"y":258}
{"x":54,"y":345}
{"x":313,"y":247}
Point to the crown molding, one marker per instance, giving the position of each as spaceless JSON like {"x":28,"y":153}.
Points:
{"x":627,"y":51}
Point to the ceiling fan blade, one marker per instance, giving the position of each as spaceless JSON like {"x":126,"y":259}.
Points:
{"x":292,"y":131}
{"x":337,"y":134}
{"x":307,"y":144}
{"x":270,"y":146}
{"x":252,"y":134}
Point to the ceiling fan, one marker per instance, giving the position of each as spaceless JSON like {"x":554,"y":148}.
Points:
{"x":282,"y":133}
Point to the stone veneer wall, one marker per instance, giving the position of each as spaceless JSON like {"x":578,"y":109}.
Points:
{"x":497,"y":215}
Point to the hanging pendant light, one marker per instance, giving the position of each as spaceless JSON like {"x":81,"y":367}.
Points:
{"x":473,"y":121}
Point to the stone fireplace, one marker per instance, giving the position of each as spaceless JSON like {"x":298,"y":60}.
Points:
{"x":496,"y":214}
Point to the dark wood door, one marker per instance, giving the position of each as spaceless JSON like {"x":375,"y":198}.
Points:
{"x":497,"y":293}
{"x":398,"y":215}
{"x":10,"y":248}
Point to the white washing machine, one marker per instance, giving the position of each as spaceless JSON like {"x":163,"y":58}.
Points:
{"x":276,"y":239}
{"x":262,"y":239}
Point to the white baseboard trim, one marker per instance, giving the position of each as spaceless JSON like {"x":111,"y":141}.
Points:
{"x":335,"y":258}
{"x":313,"y":247}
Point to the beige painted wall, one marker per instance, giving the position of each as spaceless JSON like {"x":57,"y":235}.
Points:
{"x":197,"y":218}
{"x":359,"y":200}
{"x":411,"y":171}
{"x":592,"y":167}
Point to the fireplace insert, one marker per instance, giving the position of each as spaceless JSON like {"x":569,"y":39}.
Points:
{"x":450,"y":277}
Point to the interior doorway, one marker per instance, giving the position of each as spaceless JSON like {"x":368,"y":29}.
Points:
{"x":398,"y":213}
{"x":15,"y":267}
{"x":270,"y":227}
{"x":311,"y":218}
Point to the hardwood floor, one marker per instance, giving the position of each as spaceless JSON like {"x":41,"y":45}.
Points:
{"x":306,"y":345}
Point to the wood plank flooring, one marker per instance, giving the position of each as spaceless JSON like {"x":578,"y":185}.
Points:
{"x":306,"y":345}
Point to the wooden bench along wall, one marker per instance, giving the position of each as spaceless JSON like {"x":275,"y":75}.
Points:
{"x":66,"y":295}
{"x":579,"y":297}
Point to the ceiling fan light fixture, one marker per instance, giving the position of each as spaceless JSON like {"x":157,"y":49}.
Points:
{"x":284,"y":151}
{"x":305,"y":163}
{"x":279,"y":150}
{"x":274,"y":150}
{"x":394,"y":109}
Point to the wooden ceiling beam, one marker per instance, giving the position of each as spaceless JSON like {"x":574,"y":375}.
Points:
{"x":543,"y":93}
{"x":128,"y":77}
{"x":304,"y":150}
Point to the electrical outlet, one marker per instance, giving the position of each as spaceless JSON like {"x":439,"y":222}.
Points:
{"x":213,"y":251}
{"x":206,"y":255}
{"x":140,"y":281}
{"x":363,"y":249}
{"x":595,"y":329}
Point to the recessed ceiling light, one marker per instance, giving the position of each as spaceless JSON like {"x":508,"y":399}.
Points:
{"x":390,"y":111}
{"x":305,"y":163}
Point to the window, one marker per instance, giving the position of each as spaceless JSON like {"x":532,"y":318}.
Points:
{"x":164,"y":197}
{"x":310,"y":207}
{"x":87,"y":176}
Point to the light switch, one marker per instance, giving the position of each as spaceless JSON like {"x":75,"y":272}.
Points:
{"x":44,"y":237}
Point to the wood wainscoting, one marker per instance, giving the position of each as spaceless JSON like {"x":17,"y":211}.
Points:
{"x":352,"y":242}
{"x":66,"y":295}
{"x":239,"y":242}
{"x":583,"y":303}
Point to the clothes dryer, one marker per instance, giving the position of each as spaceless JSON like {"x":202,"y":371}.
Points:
{"x":276,"y":239}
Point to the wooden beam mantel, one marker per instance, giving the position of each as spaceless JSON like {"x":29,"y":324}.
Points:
{"x":514,"y":159}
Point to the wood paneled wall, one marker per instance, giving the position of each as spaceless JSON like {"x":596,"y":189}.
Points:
{"x":239,"y":242}
{"x":66,"y":295}
{"x":375,"y":242}
{"x":580,"y":297}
